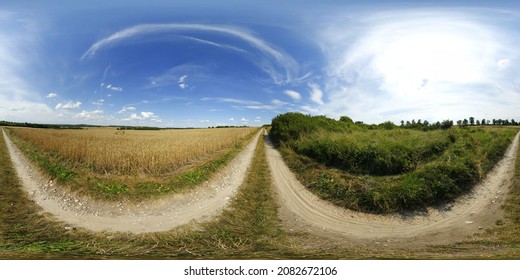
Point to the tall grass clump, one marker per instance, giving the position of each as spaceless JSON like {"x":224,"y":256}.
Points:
{"x":388,"y":169}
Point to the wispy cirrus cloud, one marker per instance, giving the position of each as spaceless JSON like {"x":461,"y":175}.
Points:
{"x":231,"y":100}
{"x":281,"y":67}
{"x":293,"y":94}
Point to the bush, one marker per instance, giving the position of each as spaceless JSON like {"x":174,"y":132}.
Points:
{"x":387,"y":169}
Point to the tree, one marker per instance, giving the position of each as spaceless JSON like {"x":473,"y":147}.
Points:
{"x":346,"y":119}
{"x":446,"y":124}
{"x":483,"y":122}
{"x":471,"y":120}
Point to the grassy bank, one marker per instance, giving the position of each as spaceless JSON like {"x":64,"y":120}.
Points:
{"x":249,"y":228}
{"x":387,"y":169}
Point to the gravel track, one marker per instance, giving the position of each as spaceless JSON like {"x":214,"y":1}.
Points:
{"x":300,"y":209}
{"x":303,"y":211}
{"x":163,"y":214}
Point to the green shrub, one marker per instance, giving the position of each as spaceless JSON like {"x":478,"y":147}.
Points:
{"x":386,"y":169}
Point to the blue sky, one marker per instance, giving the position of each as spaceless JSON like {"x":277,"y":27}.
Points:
{"x":203,"y":63}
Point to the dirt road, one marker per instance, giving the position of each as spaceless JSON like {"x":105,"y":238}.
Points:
{"x":158,"y":215}
{"x":302,"y":210}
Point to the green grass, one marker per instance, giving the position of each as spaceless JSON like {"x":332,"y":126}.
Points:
{"x":248,"y":229}
{"x":384,"y":170}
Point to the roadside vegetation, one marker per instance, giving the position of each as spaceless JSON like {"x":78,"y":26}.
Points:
{"x":248,"y":229}
{"x":385,"y":168}
{"x":111,"y":164}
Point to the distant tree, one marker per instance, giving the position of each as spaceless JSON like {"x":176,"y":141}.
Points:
{"x":446,"y":124}
{"x":402,"y":123}
{"x":471,"y":120}
{"x":459,"y":123}
{"x":483,"y":122}
{"x":465,"y":122}
{"x":478,"y":122}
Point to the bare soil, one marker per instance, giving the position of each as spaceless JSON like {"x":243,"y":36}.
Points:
{"x":164,"y":214}
{"x":301,"y":210}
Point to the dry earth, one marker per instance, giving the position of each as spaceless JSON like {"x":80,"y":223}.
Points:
{"x":164,"y":214}
{"x":303,"y":211}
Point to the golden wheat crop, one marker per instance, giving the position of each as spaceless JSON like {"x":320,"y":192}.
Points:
{"x":132,"y":152}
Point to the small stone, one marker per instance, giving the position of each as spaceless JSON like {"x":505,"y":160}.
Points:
{"x":469,"y":222}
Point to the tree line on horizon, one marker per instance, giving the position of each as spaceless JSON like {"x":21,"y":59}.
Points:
{"x":425,"y":125}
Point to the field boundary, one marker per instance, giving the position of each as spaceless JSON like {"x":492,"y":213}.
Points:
{"x":152,"y":216}
{"x":480,"y":209}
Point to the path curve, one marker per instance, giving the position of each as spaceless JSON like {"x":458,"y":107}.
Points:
{"x":302,"y":210}
{"x":163,"y":214}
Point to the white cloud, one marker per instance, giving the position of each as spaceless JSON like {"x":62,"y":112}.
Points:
{"x":277,"y":102}
{"x":293,"y":94}
{"x":281,"y":67}
{"x":52,"y":95}
{"x":183,"y":79}
{"x":260,"y":107}
{"x":68,"y":105}
{"x":143,"y":116}
{"x":22,"y":102}
{"x":244,"y":120}
{"x":231,"y":119}
{"x":425,"y":63}
{"x":503,"y":64}
{"x":231,"y":100}
{"x":90,"y":115}
{"x":182,"y":82}
{"x":114,"y":88}
{"x":147,"y":115}
{"x":126,"y":109}
{"x":99,"y":102}
{"x":316,"y":93}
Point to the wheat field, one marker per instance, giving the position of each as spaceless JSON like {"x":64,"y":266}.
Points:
{"x":133,"y":152}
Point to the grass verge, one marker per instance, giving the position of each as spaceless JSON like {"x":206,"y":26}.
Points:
{"x":439,"y":167}
{"x":248,"y":229}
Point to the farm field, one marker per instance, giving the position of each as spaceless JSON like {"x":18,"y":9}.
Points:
{"x":250,"y":228}
{"x":109,"y":164}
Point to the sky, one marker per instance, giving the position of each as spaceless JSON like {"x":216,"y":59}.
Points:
{"x":210,"y":63}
